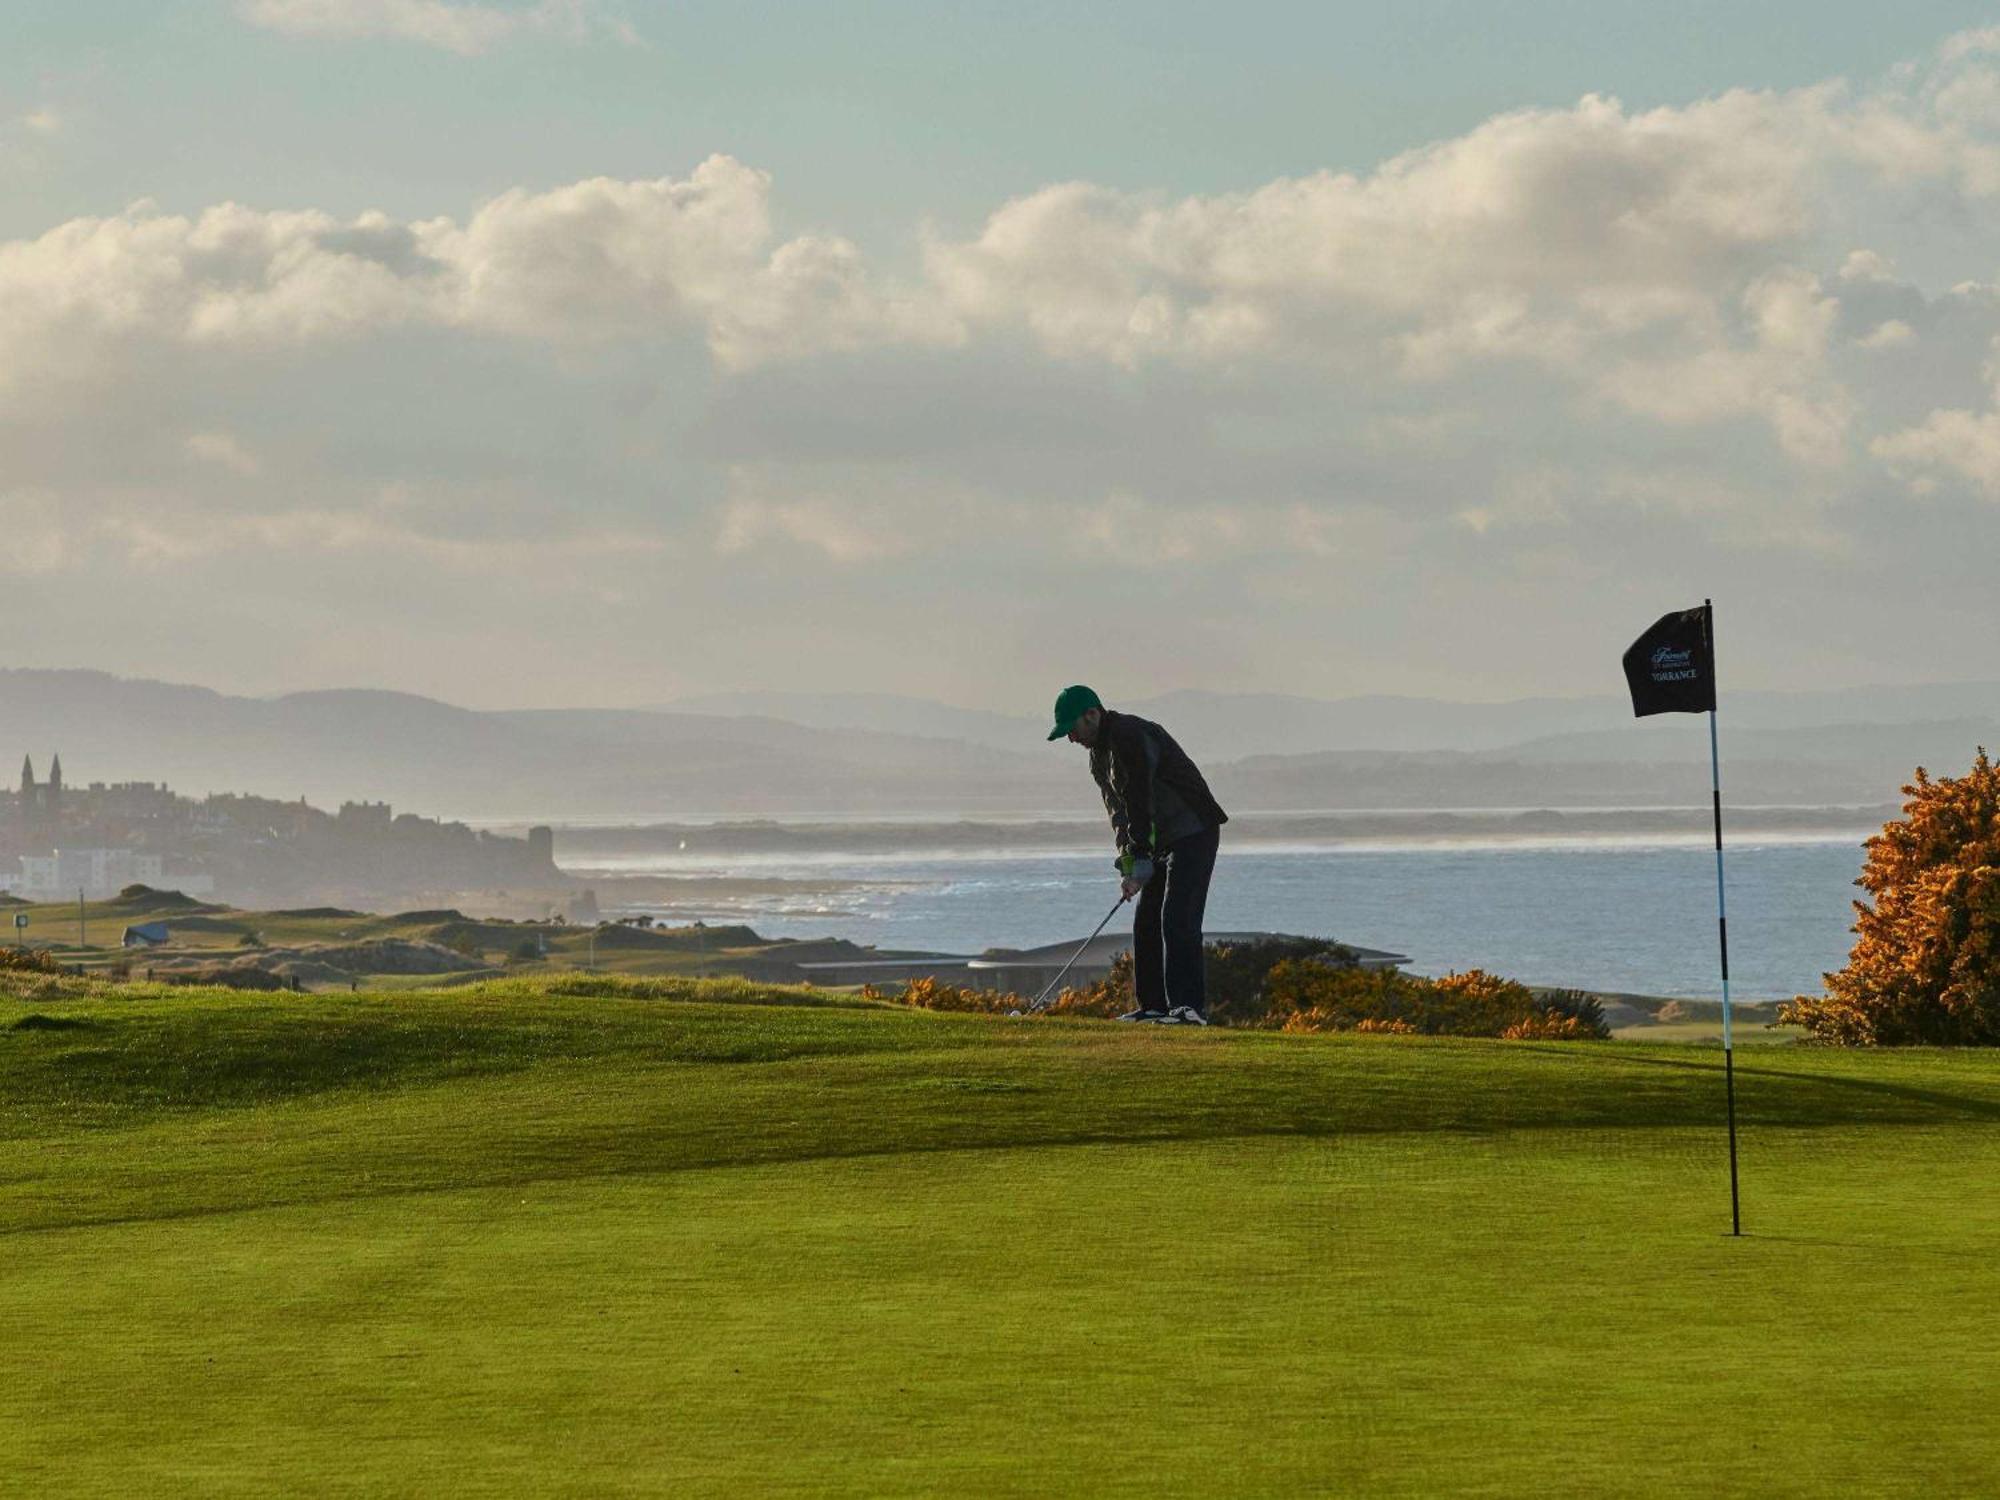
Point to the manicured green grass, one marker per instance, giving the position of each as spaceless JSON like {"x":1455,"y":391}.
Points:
{"x":1752,"y":1034}
{"x":503,"y":1241}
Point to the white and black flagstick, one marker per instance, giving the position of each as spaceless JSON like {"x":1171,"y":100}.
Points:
{"x":1671,"y":670}
{"x":1722,"y":935}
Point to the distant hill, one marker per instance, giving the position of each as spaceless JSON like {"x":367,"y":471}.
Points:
{"x":877,"y":711}
{"x":1496,"y":779}
{"x":433,"y":757}
{"x":1894,"y":748}
{"x":882,"y":756}
{"x":1217,"y":726}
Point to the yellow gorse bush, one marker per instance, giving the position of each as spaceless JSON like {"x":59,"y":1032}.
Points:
{"x":1308,"y":995}
{"x":932,"y":993}
{"x":1313,"y":994}
{"x":29,"y":961}
{"x":1925,"y":966}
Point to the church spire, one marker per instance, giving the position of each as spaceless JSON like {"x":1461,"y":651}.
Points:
{"x":27,"y":773}
{"x":55,"y":772}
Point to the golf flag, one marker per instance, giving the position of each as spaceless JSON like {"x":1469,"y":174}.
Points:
{"x":1671,"y":668}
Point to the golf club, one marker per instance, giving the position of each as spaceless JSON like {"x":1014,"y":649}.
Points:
{"x":1040,"y":1002}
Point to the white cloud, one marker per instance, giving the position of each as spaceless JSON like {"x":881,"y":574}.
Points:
{"x":597,"y":260}
{"x":603,"y":258}
{"x":1610,"y":247}
{"x":37,"y":538}
{"x":1953,"y":442}
{"x":1626,"y":253}
{"x":814,"y":296}
{"x":466,"y":29}
{"x":1867,"y":265}
{"x":1776,"y":373}
{"x":224,"y":451}
{"x":1669,"y":261}
{"x":1571,"y":344}
{"x":1532,"y":236}
{"x":1132,"y":532}
{"x":849,"y":516}
{"x":842,"y":532}
{"x":1890,"y":333}
{"x":856,"y":515}
{"x":83,"y":294}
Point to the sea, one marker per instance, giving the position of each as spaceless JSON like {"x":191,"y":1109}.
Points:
{"x":1618,"y":915}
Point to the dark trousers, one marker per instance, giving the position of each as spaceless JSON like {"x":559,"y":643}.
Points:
{"x":1166,"y":929}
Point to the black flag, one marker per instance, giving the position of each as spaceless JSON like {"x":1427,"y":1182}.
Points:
{"x":1671,"y":668}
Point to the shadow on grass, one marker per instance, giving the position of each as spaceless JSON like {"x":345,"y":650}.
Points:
{"x":1971,"y":1105}
{"x":1885,"y":1247}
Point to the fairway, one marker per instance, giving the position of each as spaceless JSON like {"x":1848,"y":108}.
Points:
{"x":502,"y":1241}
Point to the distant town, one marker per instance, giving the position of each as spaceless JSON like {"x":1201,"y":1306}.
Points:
{"x":59,"y":841}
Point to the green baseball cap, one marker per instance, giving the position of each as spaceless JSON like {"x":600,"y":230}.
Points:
{"x":1072,"y":703}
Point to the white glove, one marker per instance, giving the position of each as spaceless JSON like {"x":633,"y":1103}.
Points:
{"x":1137,"y":871}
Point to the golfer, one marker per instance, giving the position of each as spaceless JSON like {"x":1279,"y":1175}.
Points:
{"x":1167,"y":827}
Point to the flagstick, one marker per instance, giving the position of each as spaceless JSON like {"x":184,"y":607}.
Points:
{"x":1722,"y":935}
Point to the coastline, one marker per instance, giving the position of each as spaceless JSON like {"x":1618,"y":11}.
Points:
{"x":586,"y":845}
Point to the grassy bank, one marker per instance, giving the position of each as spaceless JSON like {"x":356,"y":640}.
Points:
{"x":604,"y":1237}
{"x":89,"y":937}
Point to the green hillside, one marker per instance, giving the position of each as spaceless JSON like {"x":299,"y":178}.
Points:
{"x":589,"y":1236}
{"x":203,"y":936}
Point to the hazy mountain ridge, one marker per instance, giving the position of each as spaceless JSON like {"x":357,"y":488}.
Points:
{"x":419,"y":753}
{"x":1218,"y":726}
{"x":1943,"y":743}
{"x":882,"y":712}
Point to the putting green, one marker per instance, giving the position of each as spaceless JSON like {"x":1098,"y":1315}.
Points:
{"x":673,"y":1249}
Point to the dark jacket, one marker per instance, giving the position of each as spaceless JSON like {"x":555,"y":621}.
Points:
{"x":1153,"y":792}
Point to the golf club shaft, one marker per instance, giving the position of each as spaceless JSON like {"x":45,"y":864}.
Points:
{"x":1050,"y":986}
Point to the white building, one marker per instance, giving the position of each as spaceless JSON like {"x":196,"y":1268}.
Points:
{"x":96,"y":872}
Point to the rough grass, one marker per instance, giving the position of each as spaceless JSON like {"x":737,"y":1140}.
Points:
{"x":615,"y":1237}
{"x":216,"y":932}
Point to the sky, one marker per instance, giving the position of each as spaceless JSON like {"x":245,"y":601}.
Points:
{"x":564,"y":353}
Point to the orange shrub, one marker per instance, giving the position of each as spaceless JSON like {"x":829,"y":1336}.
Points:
{"x":1925,"y":966}
{"x":931,"y":993}
{"x":1548,"y":1026}
{"x":29,"y":961}
{"x":1306,"y":995}
{"x":1476,"y":1003}
{"x":1106,"y":998}
{"x":1239,"y":973}
{"x":1327,"y":992}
